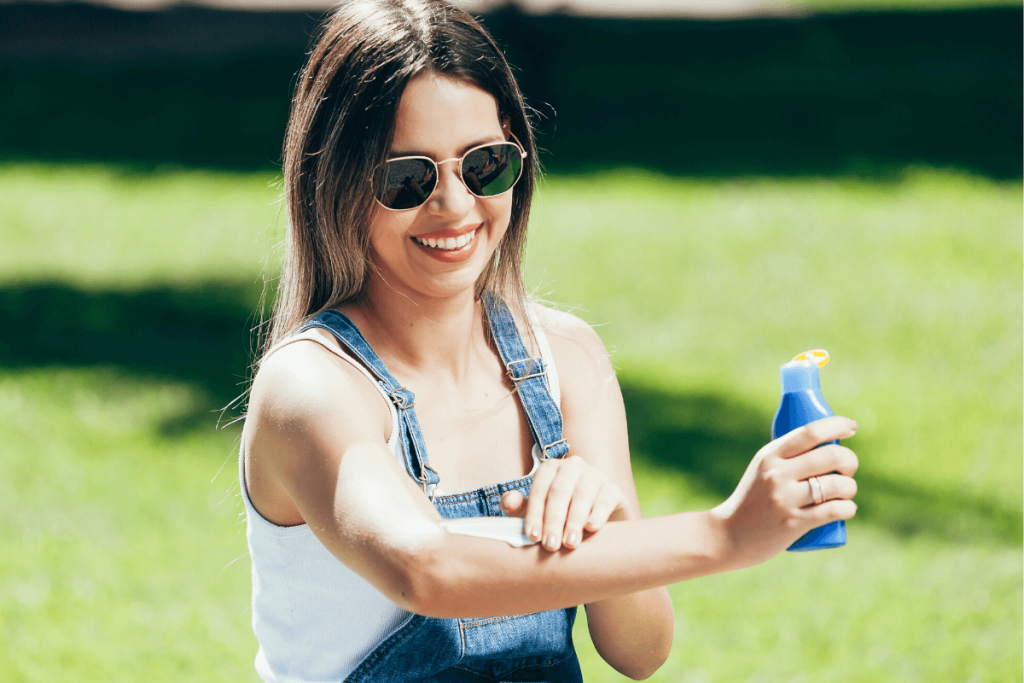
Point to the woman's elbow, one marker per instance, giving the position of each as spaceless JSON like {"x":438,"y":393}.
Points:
{"x":417,"y":581}
{"x":645,"y":667}
{"x":642,"y":666}
{"x":644,"y":657}
{"x":418,"y":592}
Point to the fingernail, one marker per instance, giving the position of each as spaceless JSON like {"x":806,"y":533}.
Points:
{"x":533,"y":533}
{"x":549,"y":541}
{"x":571,"y":539}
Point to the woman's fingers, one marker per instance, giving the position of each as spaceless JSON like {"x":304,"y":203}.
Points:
{"x":560,"y":495}
{"x":608,"y":499}
{"x":512,"y":504}
{"x":775,"y":497}
{"x":534,"y":518}
{"x":568,"y":498}
{"x":833,"y":487}
{"x":588,"y":490}
{"x":833,"y":510}
{"x":813,"y":434}
{"x":830,"y":458}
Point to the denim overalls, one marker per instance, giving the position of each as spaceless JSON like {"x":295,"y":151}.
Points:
{"x":527,"y":647}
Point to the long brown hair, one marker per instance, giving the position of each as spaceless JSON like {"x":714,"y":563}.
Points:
{"x":341,"y":126}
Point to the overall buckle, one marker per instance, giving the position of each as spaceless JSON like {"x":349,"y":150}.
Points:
{"x":399,"y":398}
{"x":544,"y":449}
{"x":528,"y":371}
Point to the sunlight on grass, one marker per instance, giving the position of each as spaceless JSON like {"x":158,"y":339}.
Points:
{"x":119,"y":514}
{"x":117,"y":541}
{"x":913,"y":287}
{"x":867,"y":612}
{"x":106,"y":226}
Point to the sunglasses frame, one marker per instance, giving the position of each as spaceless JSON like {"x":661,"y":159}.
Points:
{"x":437,"y":170}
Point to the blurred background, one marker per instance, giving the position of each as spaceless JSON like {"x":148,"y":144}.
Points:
{"x":727,"y":184}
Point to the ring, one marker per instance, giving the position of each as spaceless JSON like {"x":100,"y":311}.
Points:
{"x":816,"y":493}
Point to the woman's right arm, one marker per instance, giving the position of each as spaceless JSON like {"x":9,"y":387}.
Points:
{"x":313,"y":424}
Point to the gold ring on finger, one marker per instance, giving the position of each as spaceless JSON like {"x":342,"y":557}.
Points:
{"x":816,"y":493}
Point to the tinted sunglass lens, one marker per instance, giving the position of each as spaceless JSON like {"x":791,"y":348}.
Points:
{"x":492,"y":170}
{"x":404,"y":183}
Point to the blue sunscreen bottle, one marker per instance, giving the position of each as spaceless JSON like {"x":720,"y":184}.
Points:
{"x":801,"y":403}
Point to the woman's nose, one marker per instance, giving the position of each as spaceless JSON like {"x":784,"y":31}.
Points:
{"x":450,"y":197}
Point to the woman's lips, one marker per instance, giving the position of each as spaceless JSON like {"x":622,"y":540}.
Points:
{"x":446,"y":239}
{"x":448,"y":245}
{"x":445,"y":233}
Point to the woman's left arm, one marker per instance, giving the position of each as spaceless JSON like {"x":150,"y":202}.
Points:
{"x":633,"y":633}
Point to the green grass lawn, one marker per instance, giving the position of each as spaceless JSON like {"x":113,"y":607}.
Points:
{"x":128,"y":297}
{"x":822,"y":6}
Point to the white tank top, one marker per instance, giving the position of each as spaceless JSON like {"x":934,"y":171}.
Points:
{"x":316,"y":619}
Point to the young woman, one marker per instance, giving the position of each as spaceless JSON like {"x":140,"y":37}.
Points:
{"x":409,"y":379}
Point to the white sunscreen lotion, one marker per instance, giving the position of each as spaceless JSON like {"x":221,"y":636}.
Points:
{"x":508,"y":529}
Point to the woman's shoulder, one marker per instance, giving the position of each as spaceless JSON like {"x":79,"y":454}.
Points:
{"x":566,"y":326}
{"x":578,"y":351}
{"x":594,"y":419}
{"x":303,"y":382}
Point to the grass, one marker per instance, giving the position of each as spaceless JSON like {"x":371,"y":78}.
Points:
{"x":109,"y":227}
{"x":913,"y":286}
{"x":117,"y":548}
{"x":122,"y":555}
{"x":829,"y":6}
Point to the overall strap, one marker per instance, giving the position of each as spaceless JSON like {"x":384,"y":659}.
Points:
{"x":528,"y":376}
{"x":414,"y":447}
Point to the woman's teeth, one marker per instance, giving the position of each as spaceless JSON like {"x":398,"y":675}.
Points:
{"x":449,"y":243}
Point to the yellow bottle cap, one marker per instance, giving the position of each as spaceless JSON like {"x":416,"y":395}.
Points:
{"x":819,"y":356}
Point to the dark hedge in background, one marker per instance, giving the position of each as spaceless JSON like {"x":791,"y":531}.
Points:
{"x":861,"y":94}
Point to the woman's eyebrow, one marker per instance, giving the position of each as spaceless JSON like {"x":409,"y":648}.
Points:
{"x":415,"y":153}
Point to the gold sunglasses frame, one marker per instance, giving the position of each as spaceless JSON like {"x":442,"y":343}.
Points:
{"x":437,"y":167}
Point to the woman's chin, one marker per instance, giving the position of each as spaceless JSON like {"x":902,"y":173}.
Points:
{"x":417,"y":283}
{"x":460,"y":269}
{"x":451,"y":285}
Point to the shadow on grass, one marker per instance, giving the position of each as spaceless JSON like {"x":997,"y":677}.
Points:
{"x":712,"y":438}
{"x":197,"y":333}
{"x":200,"y":334}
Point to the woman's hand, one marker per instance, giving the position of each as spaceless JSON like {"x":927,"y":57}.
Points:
{"x":773,"y":504}
{"x":568,"y":496}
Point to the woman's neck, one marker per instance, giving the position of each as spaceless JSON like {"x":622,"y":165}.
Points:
{"x":422,"y":335}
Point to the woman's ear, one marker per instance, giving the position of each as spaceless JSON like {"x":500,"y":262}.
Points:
{"x":506,"y":127}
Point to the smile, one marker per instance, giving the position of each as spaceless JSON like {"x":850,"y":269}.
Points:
{"x":449,"y":243}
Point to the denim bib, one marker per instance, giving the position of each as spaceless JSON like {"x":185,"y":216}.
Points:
{"x":524,"y":647}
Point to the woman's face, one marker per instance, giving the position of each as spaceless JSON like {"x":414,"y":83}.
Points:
{"x":441,"y":118}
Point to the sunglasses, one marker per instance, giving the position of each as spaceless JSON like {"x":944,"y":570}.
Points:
{"x":487,"y":171}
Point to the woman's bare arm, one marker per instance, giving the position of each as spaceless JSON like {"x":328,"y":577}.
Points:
{"x":633,"y":632}
{"x":313,"y":426}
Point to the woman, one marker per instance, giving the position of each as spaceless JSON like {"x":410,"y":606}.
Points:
{"x":402,"y":329}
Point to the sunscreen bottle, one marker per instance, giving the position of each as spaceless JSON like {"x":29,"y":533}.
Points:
{"x":801,"y":403}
